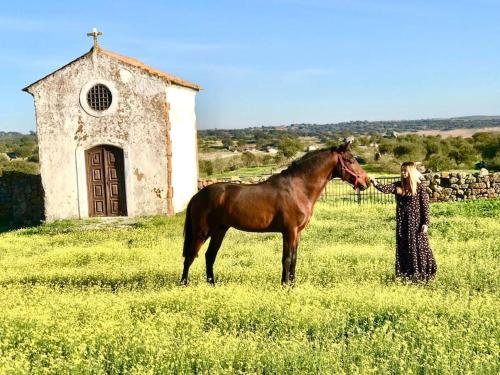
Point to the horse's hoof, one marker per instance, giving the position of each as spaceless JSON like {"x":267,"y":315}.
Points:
{"x":211,"y":281}
{"x":183,"y":282}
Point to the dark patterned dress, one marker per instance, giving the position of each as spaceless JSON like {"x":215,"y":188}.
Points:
{"x":414,"y":257}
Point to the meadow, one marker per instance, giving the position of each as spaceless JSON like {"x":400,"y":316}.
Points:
{"x":86,"y":297}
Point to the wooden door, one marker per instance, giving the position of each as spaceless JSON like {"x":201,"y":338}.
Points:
{"x":106,"y":181}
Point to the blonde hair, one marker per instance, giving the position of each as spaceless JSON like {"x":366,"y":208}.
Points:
{"x":409,"y":184}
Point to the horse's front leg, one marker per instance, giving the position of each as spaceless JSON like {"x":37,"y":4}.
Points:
{"x":211,"y":254}
{"x":289,"y":243}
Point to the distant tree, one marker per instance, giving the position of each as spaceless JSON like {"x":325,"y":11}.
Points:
{"x":464,"y":154}
{"x":402,"y":150}
{"x":227,"y":142}
{"x":289,"y":147}
{"x":23,"y":151}
{"x":431,"y":145}
{"x":438,"y":163}
{"x":249,"y":159}
{"x":206,"y":167}
{"x":493,"y":164}
{"x":386,"y":146}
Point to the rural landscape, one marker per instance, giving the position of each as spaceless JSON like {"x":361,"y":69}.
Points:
{"x":273,"y":187}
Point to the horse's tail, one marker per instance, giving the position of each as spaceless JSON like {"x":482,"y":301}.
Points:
{"x":188,"y":233}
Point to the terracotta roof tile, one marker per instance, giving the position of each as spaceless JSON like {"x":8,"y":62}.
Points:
{"x":155,"y":72}
{"x":133,"y":62}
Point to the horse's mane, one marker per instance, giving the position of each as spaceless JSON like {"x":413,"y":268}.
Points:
{"x":305,"y":163}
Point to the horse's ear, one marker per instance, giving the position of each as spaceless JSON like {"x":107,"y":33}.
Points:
{"x":345,"y":145}
{"x":333,"y":149}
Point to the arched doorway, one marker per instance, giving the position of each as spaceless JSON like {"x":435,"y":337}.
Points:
{"x":105,"y":181}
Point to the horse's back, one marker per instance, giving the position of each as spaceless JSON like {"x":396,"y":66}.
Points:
{"x":226,"y":192}
{"x":247,"y":207}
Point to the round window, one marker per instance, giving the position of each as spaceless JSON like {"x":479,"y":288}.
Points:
{"x":99,"y":97}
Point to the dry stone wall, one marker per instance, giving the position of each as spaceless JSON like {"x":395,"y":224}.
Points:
{"x":21,"y":199}
{"x":450,"y":186}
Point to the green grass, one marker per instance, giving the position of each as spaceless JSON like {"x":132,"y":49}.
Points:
{"x":75,"y":299}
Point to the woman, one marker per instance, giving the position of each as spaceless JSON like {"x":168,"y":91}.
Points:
{"x":414,"y":257}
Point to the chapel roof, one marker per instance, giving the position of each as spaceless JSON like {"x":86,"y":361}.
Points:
{"x":169,"y":78}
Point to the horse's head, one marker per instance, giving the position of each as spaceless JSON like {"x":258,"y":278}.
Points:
{"x":348,"y":168}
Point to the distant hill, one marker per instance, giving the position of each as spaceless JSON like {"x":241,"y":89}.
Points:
{"x":362,"y":127}
{"x":14,"y":135}
{"x":474,"y":118}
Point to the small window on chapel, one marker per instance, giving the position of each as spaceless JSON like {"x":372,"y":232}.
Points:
{"x":99,"y":97}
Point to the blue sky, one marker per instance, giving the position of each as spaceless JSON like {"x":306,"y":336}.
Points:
{"x":273,"y":62}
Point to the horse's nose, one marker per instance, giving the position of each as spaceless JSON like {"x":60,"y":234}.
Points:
{"x":364,"y":184}
{"x":367,"y":182}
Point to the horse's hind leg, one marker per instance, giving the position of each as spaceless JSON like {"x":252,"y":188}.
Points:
{"x":188,"y":260}
{"x":294,"y":259}
{"x":214,"y":246}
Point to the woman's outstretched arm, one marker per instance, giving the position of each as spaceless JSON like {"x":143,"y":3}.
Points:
{"x":386,"y":189}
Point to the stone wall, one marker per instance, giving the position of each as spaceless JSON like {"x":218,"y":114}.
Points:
{"x":449,"y":186}
{"x":21,"y":199}
{"x":202,"y":182}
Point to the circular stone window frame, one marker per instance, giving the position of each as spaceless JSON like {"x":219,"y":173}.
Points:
{"x":114,"y":98}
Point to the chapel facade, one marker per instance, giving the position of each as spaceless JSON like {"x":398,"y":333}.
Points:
{"x":116,"y":138}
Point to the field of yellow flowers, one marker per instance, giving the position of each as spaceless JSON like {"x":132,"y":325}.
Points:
{"x":84,"y":300}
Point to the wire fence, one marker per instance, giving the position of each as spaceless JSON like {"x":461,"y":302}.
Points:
{"x":340,"y":193}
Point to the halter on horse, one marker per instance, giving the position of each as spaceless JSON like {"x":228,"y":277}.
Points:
{"x":359,"y":177}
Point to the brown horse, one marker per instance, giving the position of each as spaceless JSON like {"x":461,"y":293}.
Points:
{"x":284,"y":203}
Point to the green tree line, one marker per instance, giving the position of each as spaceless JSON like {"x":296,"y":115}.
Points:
{"x":18,"y":152}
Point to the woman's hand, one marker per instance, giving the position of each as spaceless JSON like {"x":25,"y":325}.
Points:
{"x":424,"y":229}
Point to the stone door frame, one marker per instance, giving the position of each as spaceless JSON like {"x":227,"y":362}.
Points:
{"x":82,"y":177}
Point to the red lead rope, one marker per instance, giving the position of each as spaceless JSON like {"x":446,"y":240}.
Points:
{"x":358,"y":177}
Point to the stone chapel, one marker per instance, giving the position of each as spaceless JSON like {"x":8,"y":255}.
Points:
{"x":116,"y":138}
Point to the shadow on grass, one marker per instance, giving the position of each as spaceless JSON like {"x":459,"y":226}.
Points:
{"x":132,"y":282}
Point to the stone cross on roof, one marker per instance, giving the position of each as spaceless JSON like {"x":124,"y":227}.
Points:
{"x":95,"y":34}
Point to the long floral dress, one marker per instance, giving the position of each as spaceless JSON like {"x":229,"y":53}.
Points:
{"x":414,"y":257}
